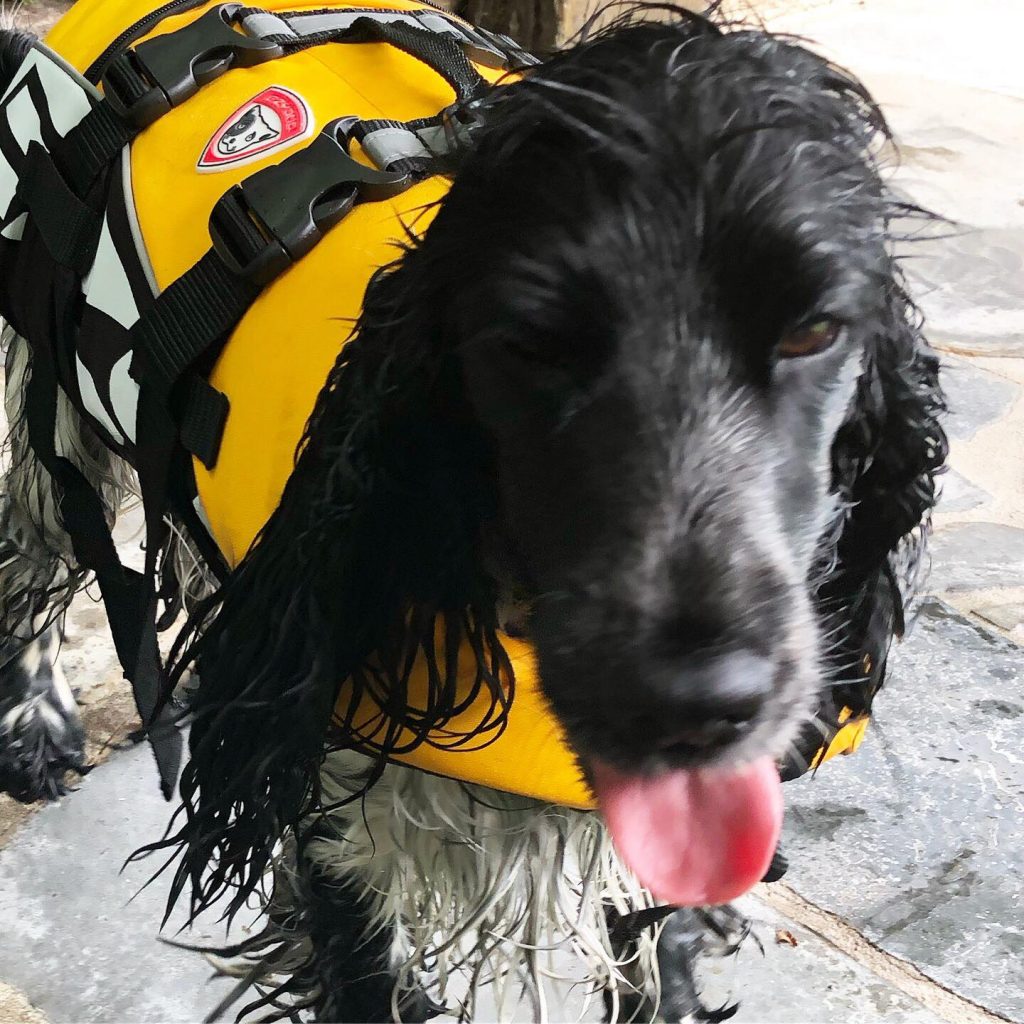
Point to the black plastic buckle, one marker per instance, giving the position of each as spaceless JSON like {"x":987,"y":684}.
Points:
{"x":272,"y":219}
{"x":144,"y":83}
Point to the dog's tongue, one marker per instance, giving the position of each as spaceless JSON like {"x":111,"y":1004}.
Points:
{"x":695,"y":836}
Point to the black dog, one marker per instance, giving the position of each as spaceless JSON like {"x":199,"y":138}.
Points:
{"x":653,"y":371}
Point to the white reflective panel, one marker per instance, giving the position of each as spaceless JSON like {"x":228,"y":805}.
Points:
{"x":8,"y":185}
{"x":67,"y":100}
{"x":124,"y":396}
{"x":24,"y":120}
{"x":16,"y":229}
{"x":92,"y":403}
{"x":26,"y":65}
{"x":106,"y":286}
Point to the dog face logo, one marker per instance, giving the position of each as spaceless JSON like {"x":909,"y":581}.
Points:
{"x":252,"y":129}
{"x":275,"y":118}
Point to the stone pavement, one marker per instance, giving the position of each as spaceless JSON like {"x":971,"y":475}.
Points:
{"x":905,"y":902}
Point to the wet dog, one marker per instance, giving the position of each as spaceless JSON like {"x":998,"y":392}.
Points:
{"x":649,"y":389}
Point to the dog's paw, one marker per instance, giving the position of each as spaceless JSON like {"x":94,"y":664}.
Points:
{"x":41,"y":734}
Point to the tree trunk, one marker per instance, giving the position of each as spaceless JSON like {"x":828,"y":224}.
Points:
{"x":535,"y":24}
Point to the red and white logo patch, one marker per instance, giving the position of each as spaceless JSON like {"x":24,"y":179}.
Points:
{"x":276,"y":117}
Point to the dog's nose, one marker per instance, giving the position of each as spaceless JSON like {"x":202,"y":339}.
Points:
{"x":711,"y":701}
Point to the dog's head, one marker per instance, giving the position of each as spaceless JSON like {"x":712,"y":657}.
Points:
{"x":652,"y":359}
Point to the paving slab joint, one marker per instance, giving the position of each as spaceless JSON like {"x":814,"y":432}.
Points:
{"x":905,"y":976}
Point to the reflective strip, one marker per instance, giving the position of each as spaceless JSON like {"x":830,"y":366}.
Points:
{"x":386,"y":145}
{"x":263,"y":24}
{"x":392,"y":142}
{"x":444,"y":138}
{"x":133,"y":221}
{"x":299,"y":26}
{"x":302,"y":26}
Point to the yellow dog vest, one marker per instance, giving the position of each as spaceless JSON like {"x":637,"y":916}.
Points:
{"x":279,"y":355}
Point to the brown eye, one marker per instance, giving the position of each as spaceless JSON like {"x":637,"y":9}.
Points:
{"x":810,"y":339}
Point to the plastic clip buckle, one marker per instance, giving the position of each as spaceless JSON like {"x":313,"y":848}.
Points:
{"x":291,"y":205}
{"x":169,"y":69}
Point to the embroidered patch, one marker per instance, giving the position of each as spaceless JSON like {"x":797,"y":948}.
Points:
{"x":276,"y":117}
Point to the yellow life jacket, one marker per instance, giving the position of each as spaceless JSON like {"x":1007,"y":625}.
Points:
{"x":279,"y":356}
{"x":280,"y":353}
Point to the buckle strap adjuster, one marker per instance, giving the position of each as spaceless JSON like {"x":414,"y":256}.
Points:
{"x":273,"y":218}
{"x":145,"y":82}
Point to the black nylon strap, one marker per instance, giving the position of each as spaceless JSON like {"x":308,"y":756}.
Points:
{"x":203,"y":417}
{"x":68,"y":227}
{"x":124,"y":591}
{"x":92,"y":145}
{"x":199,"y":308}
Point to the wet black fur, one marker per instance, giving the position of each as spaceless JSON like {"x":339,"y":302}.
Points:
{"x":570,"y":232}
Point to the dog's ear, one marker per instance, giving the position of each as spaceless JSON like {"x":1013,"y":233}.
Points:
{"x":368,"y":564}
{"x":886,"y":459}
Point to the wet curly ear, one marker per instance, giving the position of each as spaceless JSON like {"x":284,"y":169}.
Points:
{"x":886,"y":459}
{"x":367,"y":565}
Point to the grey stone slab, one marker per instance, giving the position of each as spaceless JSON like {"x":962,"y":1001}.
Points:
{"x":959,"y":494}
{"x":970,"y":284}
{"x":80,"y":951}
{"x":976,"y":555}
{"x":771,"y":982}
{"x":976,"y":397}
{"x":777,"y":983}
{"x":73,"y":939}
{"x":918,"y":840}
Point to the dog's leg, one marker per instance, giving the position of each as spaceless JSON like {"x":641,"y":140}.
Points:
{"x":326,"y":947}
{"x":691,"y":935}
{"x":353,"y":955}
{"x":333,"y":942}
{"x":41,"y":735}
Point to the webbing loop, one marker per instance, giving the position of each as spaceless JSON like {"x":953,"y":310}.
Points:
{"x":68,"y":227}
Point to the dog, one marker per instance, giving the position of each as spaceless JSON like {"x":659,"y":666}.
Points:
{"x":649,"y":390}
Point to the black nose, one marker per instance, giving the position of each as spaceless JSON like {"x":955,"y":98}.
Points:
{"x":709,"y":701}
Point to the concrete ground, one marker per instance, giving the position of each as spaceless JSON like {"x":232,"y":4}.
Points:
{"x":906,"y":900}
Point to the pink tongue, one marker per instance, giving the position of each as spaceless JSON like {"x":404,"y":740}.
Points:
{"x":695,"y":836}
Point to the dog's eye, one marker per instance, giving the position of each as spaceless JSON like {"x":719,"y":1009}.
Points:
{"x":548,"y":356}
{"x":810,"y":339}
